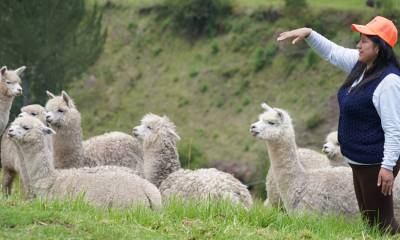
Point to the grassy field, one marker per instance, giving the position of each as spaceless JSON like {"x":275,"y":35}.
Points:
{"x":211,"y":87}
{"x":73,"y":219}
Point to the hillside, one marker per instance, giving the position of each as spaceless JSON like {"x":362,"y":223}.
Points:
{"x":212,"y":86}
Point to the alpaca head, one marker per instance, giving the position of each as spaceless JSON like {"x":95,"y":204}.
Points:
{"x":28,"y":129}
{"x":331,"y":148}
{"x":34,"y":110}
{"x":10,"y":81}
{"x":61,"y":111}
{"x":154,"y":127}
{"x":272,"y":124}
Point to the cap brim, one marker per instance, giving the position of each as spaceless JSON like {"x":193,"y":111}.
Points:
{"x":362,"y":29}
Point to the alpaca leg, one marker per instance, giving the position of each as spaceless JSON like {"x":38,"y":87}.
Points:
{"x":274,"y":199}
{"x":8,"y":178}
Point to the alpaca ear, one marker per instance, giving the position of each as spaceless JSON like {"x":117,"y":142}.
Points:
{"x":3,"y":70}
{"x":66,"y":98}
{"x":280,"y":114}
{"x":47,"y":130}
{"x":20,"y":70}
{"x":265,"y":106}
{"x":50,"y":95}
{"x":174,"y":134}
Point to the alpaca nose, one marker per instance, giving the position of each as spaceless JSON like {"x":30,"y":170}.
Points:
{"x":134,"y":131}
{"x":11,"y":132}
{"x":324,"y":148}
{"x":19,"y":91}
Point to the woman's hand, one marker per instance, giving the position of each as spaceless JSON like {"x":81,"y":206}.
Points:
{"x":386,"y":179}
{"x":296,"y":35}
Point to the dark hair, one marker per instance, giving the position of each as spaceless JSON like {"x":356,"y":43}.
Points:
{"x":385,"y":57}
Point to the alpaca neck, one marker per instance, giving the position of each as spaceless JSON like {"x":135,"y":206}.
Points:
{"x":284,"y":161}
{"x":36,"y":170}
{"x":5,"y":106}
{"x":337,"y":160}
{"x":160,"y":160}
{"x":68,"y":147}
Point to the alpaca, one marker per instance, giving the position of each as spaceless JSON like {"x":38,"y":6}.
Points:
{"x":332,"y":150}
{"x":105,"y":186}
{"x":9,"y":88}
{"x":9,"y":156}
{"x":324,"y":190}
{"x":34,"y":110}
{"x":114,"y":148}
{"x":162,"y":167}
{"x":309,"y":159}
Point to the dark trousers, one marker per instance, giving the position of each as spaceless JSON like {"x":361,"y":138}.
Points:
{"x":376,"y":208}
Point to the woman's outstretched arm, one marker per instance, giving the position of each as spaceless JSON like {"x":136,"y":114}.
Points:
{"x":344,"y":58}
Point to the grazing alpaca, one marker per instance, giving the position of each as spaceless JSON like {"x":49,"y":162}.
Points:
{"x":114,"y":148}
{"x":324,"y":190}
{"x":105,"y":186}
{"x":162,"y":167}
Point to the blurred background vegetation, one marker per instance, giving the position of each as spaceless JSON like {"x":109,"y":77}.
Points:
{"x":206,"y":64}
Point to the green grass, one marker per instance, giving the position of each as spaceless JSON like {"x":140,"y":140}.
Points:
{"x":74,"y":219}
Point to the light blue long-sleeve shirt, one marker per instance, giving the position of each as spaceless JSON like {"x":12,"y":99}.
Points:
{"x":386,"y":97}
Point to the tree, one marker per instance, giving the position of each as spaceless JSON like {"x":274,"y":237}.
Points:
{"x":56,"y":39}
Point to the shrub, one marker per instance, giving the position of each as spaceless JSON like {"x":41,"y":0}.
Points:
{"x":204,"y":88}
{"x":246,"y":100}
{"x":295,"y":7}
{"x":390,"y":9}
{"x":264,"y":56}
{"x":214,"y":49}
{"x":191,"y":156}
{"x":314,"y":121}
{"x":197,"y":16}
{"x":311,"y":59}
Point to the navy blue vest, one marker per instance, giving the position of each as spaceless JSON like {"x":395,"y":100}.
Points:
{"x":360,"y":132}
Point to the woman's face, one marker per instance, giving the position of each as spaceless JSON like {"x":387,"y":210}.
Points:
{"x":368,"y":50}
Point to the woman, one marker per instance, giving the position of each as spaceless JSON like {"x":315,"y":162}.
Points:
{"x":369,"y":121}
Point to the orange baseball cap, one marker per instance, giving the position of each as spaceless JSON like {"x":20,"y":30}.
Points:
{"x":381,"y":27}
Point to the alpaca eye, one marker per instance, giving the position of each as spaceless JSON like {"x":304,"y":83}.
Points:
{"x":60,"y":110}
{"x":8,"y":82}
{"x":271,"y":123}
{"x":34,"y":114}
{"x":26,"y":128}
{"x":149,"y":128}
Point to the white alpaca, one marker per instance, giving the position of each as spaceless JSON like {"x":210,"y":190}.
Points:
{"x":9,"y":155}
{"x":309,"y":159}
{"x":114,"y":148}
{"x":9,"y":88}
{"x":162,"y":167}
{"x":332,"y":150}
{"x":106,"y":186}
{"x":324,"y":190}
